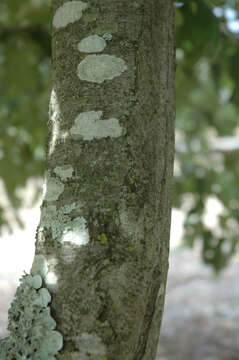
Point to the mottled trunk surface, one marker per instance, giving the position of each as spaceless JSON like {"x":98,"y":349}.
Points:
{"x":105,"y":217}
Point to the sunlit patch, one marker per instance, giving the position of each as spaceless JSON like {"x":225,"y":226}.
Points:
{"x":54,"y":117}
{"x":77,"y":233}
{"x":51,"y":278}
{"x":39,"y":265}
{"x":55,"y":136}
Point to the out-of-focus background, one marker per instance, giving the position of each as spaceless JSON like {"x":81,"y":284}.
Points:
{"x":201,"y":318}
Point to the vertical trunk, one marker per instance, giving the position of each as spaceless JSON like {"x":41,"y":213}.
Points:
{"x":105,"y":216}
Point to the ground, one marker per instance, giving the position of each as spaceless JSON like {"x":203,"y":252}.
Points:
{"x":201,"y":319}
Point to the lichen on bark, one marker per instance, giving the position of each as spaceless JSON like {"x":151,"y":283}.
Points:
{"x":108,"y":293}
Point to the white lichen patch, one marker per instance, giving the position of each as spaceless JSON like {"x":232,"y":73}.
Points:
{"x":39,"y":266}
{"x":31,"y":327}
{"x":68,"y":13}
{"x":107,"y":36}
{"x":54,"y":220}
{"x":64,"y":172}
{"x":52,"y":344}
{"x":89,"y":126}
{"x":62,"y":227}
{"x":98,"y":68}
{"x":76,"y":233}
{"x":92,"y":44}
{"x":90,"y":344}
{"x":52,"y":188}
{"x":66,"y":209}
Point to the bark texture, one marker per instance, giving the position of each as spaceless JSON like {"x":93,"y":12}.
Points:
{"x":105,"y":218}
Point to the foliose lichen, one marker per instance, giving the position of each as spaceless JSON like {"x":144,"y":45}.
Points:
{"x":32,"y":329}
{"x":92,"y":44}
{"x":76,"y":232}
{"x":52,"y":188}
{"x":68,"y":13}
{"x":89,"y":125}
{"x":64,"y":172}
{"x":39,"y":266}
{"x":56,"y":220}
{"x":63,"y":227}
{"x":98,"y":68}
{"x":107,"y":36}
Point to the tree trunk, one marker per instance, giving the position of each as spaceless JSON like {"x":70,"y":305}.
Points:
{"x":103,"y":239}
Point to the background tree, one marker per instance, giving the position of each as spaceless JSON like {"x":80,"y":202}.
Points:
{"x":102,"y":243}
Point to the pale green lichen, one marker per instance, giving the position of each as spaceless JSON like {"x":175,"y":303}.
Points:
{"x":89,"y":126}
{"x":63,"y":228}
{"x":31,"y":327}
{"x":34,"y":281}
{"x":43,"y":298}
{"x":98,"y":68}
{"x":68,"y":13}
{"x":52,"y":188}
{"x":39,"y":266}
{"x":90,"y":346}
{"x":64,"y":172}
{"x":49,"y":219}
{"x":76,"y":232}
{"x":107,"y":36}
{"x":92,"y":44}
{"x":56,"y":220}
{"x":67,"y":209}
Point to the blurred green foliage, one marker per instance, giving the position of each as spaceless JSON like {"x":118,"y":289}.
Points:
{"x":207,"y":135}
{"x":24,"y":91}
{"x":207,"y":111}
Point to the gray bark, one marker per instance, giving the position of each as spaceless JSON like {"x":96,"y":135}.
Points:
{"x":105,"y":217}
